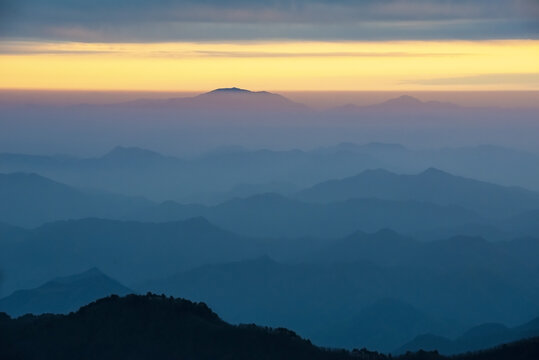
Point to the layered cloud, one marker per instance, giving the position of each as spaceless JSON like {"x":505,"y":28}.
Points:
{"x":181,"y":20}
{"x":503,"y":79}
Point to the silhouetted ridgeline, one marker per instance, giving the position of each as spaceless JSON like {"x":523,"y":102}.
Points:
{"x":159,"y":327}
{"x":148,"y":327}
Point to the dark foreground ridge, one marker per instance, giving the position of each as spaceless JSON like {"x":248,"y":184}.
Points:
{"x":160,"y":327}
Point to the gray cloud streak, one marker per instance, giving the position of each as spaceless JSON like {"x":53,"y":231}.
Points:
{"x":483,"y":79}
{"x":322,"y":54}
{"x":169,"y":20}
{"x":30,"y":50}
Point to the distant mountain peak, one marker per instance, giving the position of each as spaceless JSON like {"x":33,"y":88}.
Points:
{"x":262,"y":198}
{"x":387,"y":232}
{"x":404,"y":100}
{"x":62,"y":294}
{"x":223,"y":99}
{"x":375,"y":172}
{"x":432,"y":171}
{"x":20,"y":175}
{"x":237,"y":91}
{"x":31,"y":180}
{"x":408,"y":98}
{"x":384,"y":146}
{"x":91,"y":273}
{"x":121,"y":152}
{"x":197,"y":221}
{"x":237,"y":99}
{"x":405,"y":103}
{"x":230,"y":90}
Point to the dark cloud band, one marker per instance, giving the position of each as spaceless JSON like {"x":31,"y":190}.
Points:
{"x":170,"y":20}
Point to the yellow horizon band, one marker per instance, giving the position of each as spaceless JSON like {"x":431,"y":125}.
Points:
{"x":288,"y":66}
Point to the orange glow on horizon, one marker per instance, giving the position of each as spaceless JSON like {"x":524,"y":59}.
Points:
{"x":286,"y":66}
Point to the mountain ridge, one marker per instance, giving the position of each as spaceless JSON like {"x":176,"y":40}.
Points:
{"x":431,"y":185}
{"x":228,"y":99}
{"x":141,"y":327}
{"x":149,"y":326}
{"x":477,"y":338}
{"x":63,"y":294}
{"x":29,"y":199}
{"x":275,"y":215}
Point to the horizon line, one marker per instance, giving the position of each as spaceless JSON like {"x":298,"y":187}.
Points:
{"x":268,"y":90}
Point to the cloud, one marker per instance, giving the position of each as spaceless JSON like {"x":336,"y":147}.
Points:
{"x":258,"y":54}
{"x":483,"y":79}
{"x":208,"y":51}
{"x":170,"y":20}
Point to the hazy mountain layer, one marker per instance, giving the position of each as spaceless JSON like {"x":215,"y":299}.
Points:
{"x":258,"y":120}
{"x":31,"y":200}
{"x":477,"y":338}
{"x":272,"y":215}
{"x":433,"y":186}
{"x":128,"y":251}
{"x":322,"y":300}
{"x":215,"y":176}
{"x":62,"y":295}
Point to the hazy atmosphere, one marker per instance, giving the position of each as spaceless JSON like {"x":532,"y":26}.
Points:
{"x":239,"y":179}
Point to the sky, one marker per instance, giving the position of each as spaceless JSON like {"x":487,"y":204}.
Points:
{"x":287,"y":45}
